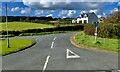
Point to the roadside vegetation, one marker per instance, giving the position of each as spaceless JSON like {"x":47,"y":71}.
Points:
{"x":105,"y":30}
{"x":16,"y":44}
{"x":42,"y":33}
{"x":107,"y":35}
{"x":84,"y":40}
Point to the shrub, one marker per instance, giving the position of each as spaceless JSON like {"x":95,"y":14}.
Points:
{"x":104,"y":30}
{"x":89,"y":29}
{"x":65,"y":28}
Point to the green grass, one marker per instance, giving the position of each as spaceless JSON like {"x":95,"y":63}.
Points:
{"x":16,"y":44}
{"x":13,"y":26}
{"x":102,"y":43}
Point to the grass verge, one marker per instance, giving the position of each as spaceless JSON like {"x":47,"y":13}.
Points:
{"x":103,"y":44}
{"x":16,"y":44}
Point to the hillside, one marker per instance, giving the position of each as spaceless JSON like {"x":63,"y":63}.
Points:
{"x":23,"y":26}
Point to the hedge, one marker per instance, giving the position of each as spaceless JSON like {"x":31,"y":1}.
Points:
{"x":65,"y":28}
{"x":104,"y":30}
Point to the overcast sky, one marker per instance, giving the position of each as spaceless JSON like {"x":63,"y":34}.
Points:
{"x":58,"y":9}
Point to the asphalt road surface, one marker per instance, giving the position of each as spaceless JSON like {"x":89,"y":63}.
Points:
{"x":49,"y":53}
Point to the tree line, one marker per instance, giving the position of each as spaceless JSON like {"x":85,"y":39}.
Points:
{"x":24,"y":18}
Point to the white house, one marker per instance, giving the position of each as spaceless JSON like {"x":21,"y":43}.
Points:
{"x":74,"y":21}
{"x":86,"y":18}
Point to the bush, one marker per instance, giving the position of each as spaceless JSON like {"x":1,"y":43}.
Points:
{"x":65,"y":28}
{"x":89,"y":29}
{"x":14,"y":33}
{"x":104,"y":30}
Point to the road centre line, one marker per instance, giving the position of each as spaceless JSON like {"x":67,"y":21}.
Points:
{"x":48,"y":57}
{"x":52,"y":44}
{"x":54,"y":38}
{"x":46,"y":63}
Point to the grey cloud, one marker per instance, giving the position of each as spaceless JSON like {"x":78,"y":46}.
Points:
{"x":66,"y":5}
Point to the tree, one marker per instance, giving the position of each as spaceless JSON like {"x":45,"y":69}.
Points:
{"x":115,"y":18}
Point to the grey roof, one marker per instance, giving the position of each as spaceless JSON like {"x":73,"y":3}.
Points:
{"x":91,"y":14}
{"x":88,"y":14}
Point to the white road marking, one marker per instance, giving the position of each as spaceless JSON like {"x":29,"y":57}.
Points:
{"x":46,"y":62}
{"x":72,"y":56}
{"x":37,"y":38}
{"x":118,"y":70}
{"x":54,"y":38}
{"x":52,"y":45}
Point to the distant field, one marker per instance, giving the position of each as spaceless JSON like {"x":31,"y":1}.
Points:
{"x":23,"y":26}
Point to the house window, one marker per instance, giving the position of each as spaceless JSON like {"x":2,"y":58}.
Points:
{"x":85,"y":21}
{"x":80,"y":21}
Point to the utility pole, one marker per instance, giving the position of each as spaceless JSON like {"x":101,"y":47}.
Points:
{"x":95,"y":34}
{"x":96,"y":26}
{"x":8,"y":43}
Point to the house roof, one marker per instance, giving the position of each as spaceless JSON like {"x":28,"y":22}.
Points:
{"x":88,"y":14}
{"x":91,"y":14}
{"x":83,"y":15}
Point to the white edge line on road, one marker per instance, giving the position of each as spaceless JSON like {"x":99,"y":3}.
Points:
{"x":46,"y":62}
{"x":54,"y":38}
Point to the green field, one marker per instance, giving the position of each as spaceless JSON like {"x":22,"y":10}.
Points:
{"x":16,"y":44}
{"x":102,"y":43}
{"x":14,"y":26}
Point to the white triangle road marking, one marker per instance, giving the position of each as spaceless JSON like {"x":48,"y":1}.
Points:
{"x":71,"y":56}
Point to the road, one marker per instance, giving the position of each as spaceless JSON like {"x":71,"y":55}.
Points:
{"x":49,"y":53}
